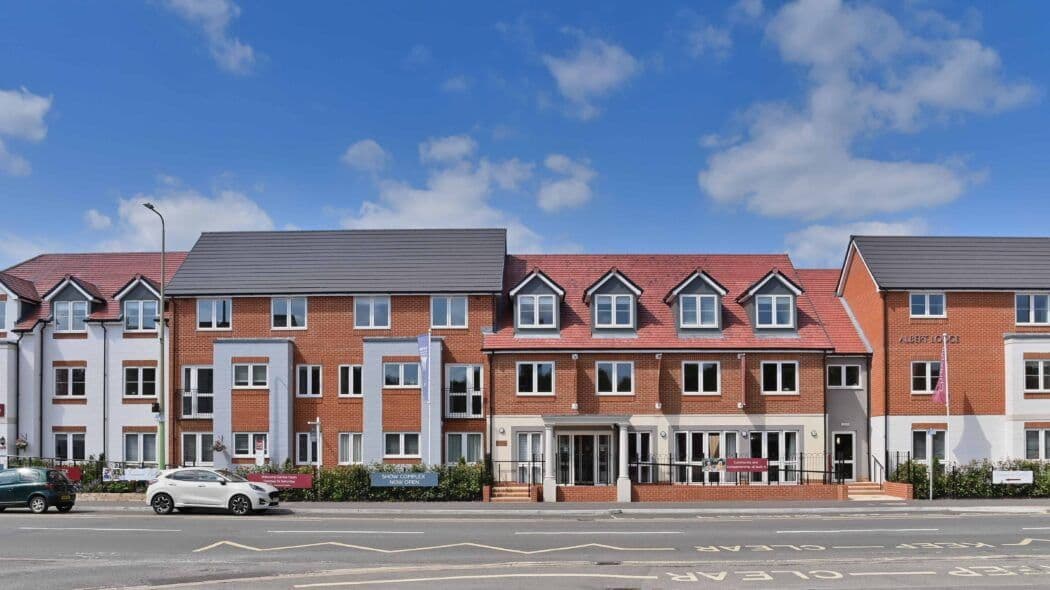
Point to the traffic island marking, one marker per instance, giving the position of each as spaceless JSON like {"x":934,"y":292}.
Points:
{"x":245,"y":547}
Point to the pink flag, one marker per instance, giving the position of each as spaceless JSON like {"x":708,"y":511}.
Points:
{"x":940,"y":393}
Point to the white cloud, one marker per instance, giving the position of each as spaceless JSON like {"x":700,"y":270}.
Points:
{"x":594,"y":70}
{"x":867,"y":75}
{"x":419,"y":55}
{"x":823,"y":245}
{"x":97,"y":220}
{"x":571,"y":191}
{"x":21,"y":117}
{"x":456,"y":84}
{"x":748,"y":8}
{"x":366,"y":155}
{"x":214,"y":17}
{"x":15,"y":248}
{"x":708,"y":40}
{"x":447,"y":149}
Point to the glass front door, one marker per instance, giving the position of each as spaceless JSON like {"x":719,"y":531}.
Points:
{"x":781,"y":448}
{"x":530,"y":457}
{"x":640,"y":456}
{"x":843,"y":453}
{"x":584,"y":459}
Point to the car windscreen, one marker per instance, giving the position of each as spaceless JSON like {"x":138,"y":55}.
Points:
{"x":57,"y":477}
{"x":229,"y":475}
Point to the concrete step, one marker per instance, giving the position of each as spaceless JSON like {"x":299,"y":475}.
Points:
{"x":511,"y":499}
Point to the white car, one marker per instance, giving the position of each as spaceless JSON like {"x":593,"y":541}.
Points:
{"x":200,"y":487}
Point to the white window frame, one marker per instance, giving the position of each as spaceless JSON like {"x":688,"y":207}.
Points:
{"x":214,"y":324}
{"x":251,"y":376}
{"x":401,"y":376}
{"x":615,"y":374}
{"x":1044,"y":447}
{"x":310,"y":375}
{"x":1044,"y":371}
{"x":69,"y":436}
{"x":69,"y":383}
{"x":139,"y":381}
{"x":446,"y":322}
{"x":401,"y":445}
{"x":926,"y":304}
{"x":780,"y":378}
{"x":474,"y":390}
{"x":613,"y":298}
{"x":195,"y":393}
{"x":140,"y":443}
{"x":535,"y":299}
{"x":371,"y":325}
{"x":699,"y":298}
{"x":198,"y":447}
{"x":773,"y":298}
{"x":1031,"y":309}
{"x":700,"y":378}
{"x":141,"y":305}
{"x":288,"y":316}
{"x":70,"y":307}
{"x":355,"y":443}
{"x":845,"y":369}
{"x":251,"y":444}
{"x":464,"y":445}
{"x":929,"y":445}
{"x":535,"y":379}
{"x":929,"y":377}
{"x":310,"y":436}
{"x":3,"y":316}
{"x":353,"y":373}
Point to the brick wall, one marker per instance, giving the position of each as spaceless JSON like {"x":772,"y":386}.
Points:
{"x":686,"y":493}
{"x":866,"y":303}
{"x":903,"y":491}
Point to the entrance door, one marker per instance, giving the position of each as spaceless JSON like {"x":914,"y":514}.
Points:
{"x":530,"y":457}
{"x":843,"y":453}
{"x":781,"y":448}
{"x":584,"y":459}
{"x":640,"y":455}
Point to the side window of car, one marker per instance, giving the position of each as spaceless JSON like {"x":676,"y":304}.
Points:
{"x":30,"y":476}
{"x":8,"y":477}
{"x":184,"y":476}
{"x":208,"y":476}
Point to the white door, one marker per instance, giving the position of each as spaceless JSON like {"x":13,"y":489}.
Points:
{"x":530,"y":457}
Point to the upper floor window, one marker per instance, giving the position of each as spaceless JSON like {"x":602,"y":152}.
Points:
{"x":140,"y":447}
{"x":1033,"y":309}
{"x":70,"y":316}
{"x":214,"y":314}
{"x":536,"y":378}
{"x":844,"y":376}
{"x":613,"y":311}
{"x":69,"y":446}
{"x":1037,"y":376}
{"x":448,"y":312}
{"x":350,"y":380}
{"x":3,"y":316}
{"x":927,"y":305}
{"x":308,"y":381}
{"x":924,"y":376}
{"x":536,"y":311}
{"x":779,"y":377}
{"x":140,"y":381}
{"x":400,"y":375}
{"x":372,"y":312}
{"x":70,"y":381}
{"x":248,"y":375}
{"x":246,"y":444}
{"x":288,"y":313}
{"x":700,"y":378}
{"x":698,"y":311}
{"x":775,"y":311}
{"x":400,"y":444}
{"x":140,"y":316}
{"x":615,"y":378}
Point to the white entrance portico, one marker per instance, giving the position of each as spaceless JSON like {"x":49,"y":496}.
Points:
{"x":585,"y":451}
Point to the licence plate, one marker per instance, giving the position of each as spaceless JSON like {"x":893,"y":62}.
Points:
{"x":63,"y":497}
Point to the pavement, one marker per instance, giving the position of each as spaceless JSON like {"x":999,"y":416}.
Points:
{"x":725,"y":545}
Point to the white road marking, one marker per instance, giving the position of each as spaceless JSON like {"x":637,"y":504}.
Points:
{"x":477,"y":577}
{"x":324,"y":532}
{"x":859,"y":531}
{"x":107,"y":530}
{"x":559,"y":533}
{"x":1036,"y":528}
{"x":432,"y":547}
{"x":858,"y":546}
{"x":926,"y":573}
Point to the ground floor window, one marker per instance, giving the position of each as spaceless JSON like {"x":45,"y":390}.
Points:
{"x":640,"y":456}
{"x":349,"y":448}
{"x":140,"y":447}
{"x":922,"y":441}
{"x":306,"y":448}
{"x":401,"y":444}
{"x":463,"y":445}
{"x":69,"y":446}
{"x":197,"y":448}
{"x":584,"y":459}
{"x":245,"y":444}
{"x":529,"y":457}
{"x":1037,"y":444}
{"x":700,"y":456}
{"x":781,"y":448}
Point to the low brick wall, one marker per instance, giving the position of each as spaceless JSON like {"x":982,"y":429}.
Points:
{"x":691,"y":493}
{"x":111,"y":497}
{"x":586,"y":493}
{"x":903,"y":491}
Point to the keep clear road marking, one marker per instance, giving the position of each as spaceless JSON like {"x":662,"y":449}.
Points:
{"x":322,"y":532}
{"x":926,"y":573}
{"x":559,"y":533}
{"x":236,"y":545}
{"x":100,"y":530}
{"x":860,"y":531}
{"x":477,"y":577}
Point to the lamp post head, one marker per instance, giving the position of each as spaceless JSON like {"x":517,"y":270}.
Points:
{"x":149,"y":206}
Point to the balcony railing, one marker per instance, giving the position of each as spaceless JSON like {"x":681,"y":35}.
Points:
{"x":464,"y":404}
{"x":195,"y":403}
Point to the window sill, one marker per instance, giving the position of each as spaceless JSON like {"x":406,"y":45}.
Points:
{"x":698,"y":326}
{"x":70,"y":335}
{"x":402,"y":387}
{"x":73,"y":401}
{"x":702,"y":394}
{"x":250,"y":388}
{"x":851,"y":387}
{"x":199,"y":329}
{"x":774,"y":326}
{"x":134,"y":334}
{"x":928,"y":317}
{"x":351,"y":396}
{"x":371,"y":327}
{"x":198,"y":417}
{"x":922,"y":393}
{"x":520,"y":394}
{"x":613,"y":394}
{"x":780,"y":394}
{"x":128,"y":400}
{"x":449,"y":327}
{"x":278,"y":329}
{"x":318,"y":396}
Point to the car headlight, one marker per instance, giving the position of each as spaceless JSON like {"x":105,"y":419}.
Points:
{"x":259,"y":489}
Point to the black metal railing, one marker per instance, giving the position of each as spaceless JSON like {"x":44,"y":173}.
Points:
{"x":90,"y":475}
{"x":195,"y":403}
{"x":797,"y":469}
{"x":464,"y":404}
{"x":525,"y":472}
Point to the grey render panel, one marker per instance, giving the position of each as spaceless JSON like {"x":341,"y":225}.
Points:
{"x":139,"y":293}
{"x":69,"y":293}
{"x":773,"y":287}
{"x":538,"y":287}
{"x":614,"y":286}
{"x":698,"y":286}
{"x":847,"y":411}
{"x":957,"y":263}
{"x":344,"y":261}
{"x":279,"y":351}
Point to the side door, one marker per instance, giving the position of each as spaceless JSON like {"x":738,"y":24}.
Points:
{"x":211,"y":489}
{"x":182,"y":486}
{"x":8,"y":480}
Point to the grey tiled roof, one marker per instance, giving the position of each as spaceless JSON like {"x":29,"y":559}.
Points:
{"x":982,"y":263}
{"x":344,"y":261}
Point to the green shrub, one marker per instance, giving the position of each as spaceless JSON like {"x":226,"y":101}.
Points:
{"x":974,"y":479}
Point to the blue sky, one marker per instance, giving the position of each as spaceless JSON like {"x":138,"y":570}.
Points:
{"x":714,"y":127}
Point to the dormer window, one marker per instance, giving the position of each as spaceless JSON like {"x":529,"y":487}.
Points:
{"x":698,"y":311}
{"x":140,"y":316}
{"x":70,"y":316}
{"x":614,"y":311}
{"x":775,"y":311}
{"x":536,"y":311}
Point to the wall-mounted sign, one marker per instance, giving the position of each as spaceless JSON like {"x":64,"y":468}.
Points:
{"x":404,"y":479}
{"x":73,"y":473}
{"x":1011,"y":477}
{"x":130,"y":474}
{"x":300,"y":481}
{"x":928,"y":339}
{"x":747,"y":465}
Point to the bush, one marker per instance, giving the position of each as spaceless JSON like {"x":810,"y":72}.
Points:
{"x":974,"y":479}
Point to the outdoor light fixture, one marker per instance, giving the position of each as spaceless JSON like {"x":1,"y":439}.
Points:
{"x":502,"y":430}
{"x":813,"y":433}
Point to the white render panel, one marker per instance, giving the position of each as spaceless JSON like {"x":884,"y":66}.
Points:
{"x":971,"y":437}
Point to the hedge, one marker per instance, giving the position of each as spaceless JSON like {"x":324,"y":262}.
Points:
{"x":974,"y":479}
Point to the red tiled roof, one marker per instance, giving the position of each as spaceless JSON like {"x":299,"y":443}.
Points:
{"x":22,"y":288}
{"x":821,"y":285}
{"x":656,"y":275}
{"x":104,"y":274}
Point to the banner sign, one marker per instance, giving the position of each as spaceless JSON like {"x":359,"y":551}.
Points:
{"x":424,"y":365}
{"x":130,"y":474}
{"x":298,"y":481}
{"x":404,"y":479}
{"x":1011,"y":477}
{"x":73,"y":473}
{"x":747,"y":465}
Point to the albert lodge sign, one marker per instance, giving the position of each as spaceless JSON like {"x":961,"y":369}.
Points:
{"x":931,"y":339}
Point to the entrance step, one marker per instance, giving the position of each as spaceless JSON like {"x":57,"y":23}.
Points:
{"x":510,"y":493}
{"x":866,"y":491}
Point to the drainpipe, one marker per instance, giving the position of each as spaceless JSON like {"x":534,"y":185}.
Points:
{"x":885,"y":383}
{"x":105,"y":391}
{"x":492,"y":407}
{"x":40,"y":398}
{"x":18,"y":390}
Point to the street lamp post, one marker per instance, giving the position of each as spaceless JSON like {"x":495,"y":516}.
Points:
{"x":161,"y":418}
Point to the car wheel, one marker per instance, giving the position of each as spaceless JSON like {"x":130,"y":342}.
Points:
{"x":65,"y":508}
{"x":2,"y":508}
{"x":38,"y":504}
{"x":162,"y":504}
{"x":240,"y":505}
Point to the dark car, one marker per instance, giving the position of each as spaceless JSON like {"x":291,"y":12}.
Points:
{"x":36,"y":488}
